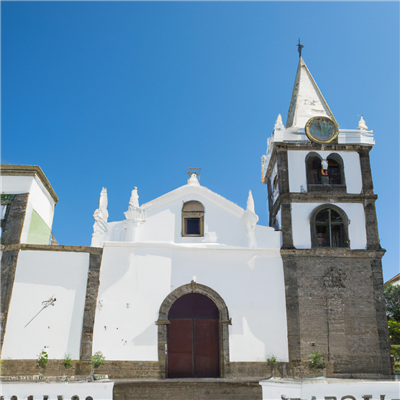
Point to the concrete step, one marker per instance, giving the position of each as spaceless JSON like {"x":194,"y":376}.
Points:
{"x":187,"y":389}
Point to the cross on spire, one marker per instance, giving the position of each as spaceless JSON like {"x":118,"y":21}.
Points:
{"x":300,"y":47}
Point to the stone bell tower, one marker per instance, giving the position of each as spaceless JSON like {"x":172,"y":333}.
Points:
{"x":320,"y":195}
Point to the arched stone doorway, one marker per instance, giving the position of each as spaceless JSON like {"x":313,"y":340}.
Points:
{"x":184,"y":311}
{"x":193,"y":338}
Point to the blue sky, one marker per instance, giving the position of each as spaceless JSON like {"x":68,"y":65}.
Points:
{"x":124,"y":94}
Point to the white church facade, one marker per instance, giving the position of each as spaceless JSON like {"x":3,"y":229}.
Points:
{"x":190,"y":286}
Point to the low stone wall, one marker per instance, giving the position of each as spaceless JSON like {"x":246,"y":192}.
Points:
{"x":114,"y":369}
{"x":177,"y":389}
{"x":153,"y":370}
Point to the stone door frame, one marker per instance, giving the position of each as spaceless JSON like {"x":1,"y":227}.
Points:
{"x":224,"y":321}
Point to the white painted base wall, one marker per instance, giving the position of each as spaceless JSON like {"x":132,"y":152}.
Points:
{"x":96,"y":390}
{"x":39,"y":276}
{"x":332,"y":389}
{"x":136,"y":278}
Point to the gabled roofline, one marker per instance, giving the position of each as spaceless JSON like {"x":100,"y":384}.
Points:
{"x":394,"y":279}
{"x":29,"y":170}
{"x":200,"y":190}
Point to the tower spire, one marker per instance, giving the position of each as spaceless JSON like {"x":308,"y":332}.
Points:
{"x":307,"y":100}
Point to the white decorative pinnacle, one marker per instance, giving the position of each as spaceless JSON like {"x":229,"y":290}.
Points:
{"x":134,"y":200}
{"x":250,"y":218}
{"x":134,"y":213}
{"x":193,"y":181}
{"x":279,"y":123}
{"x":103,"y":202}
{"x":362,"y":125}
{"x":100,"y":216}
{"x":250,"y":203}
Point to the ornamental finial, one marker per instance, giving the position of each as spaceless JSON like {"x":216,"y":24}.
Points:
{"x":300,"y":47}
{"x":362,"y":125}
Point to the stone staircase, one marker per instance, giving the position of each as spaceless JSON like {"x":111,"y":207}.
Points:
{"x":187,"y":389}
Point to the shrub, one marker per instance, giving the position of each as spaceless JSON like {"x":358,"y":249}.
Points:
{"x":272,"y":360}
{"x":43,"y":358}
{"x":395,"y":350}
{"x":317,"y":361}
{"x":392,"y":300}
{"x":394,"y":332}
{"x":67,"y":361}
{"x":97,"y":359}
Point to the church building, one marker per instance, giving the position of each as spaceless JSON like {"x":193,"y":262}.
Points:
{"x":189,"y":285}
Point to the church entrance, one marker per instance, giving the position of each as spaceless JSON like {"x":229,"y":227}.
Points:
{"x":193,"y":338}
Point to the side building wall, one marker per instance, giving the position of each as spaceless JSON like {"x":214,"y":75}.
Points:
{"x":32,"y":274}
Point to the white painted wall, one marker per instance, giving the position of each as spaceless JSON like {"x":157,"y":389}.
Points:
{"x":298,"y":174}
{"x":40,"y":275}
{"x":96,"y":390}
{"x":301,"y":214}
{"x":136,"y":278}
{"x":39,"y":199}
{"x":42,"y":202}
{"x":223,"y":221}
{"x":279,"y":217}
{"x":320,"y":388}
{"x":346,"y":136}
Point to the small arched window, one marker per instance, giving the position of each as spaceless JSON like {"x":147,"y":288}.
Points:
{"x":329,"y":227}
{"x":192,"y":219}
{"x":335,"y":169}
{"x":313,"y":164}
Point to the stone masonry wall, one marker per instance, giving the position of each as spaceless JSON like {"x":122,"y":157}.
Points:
{"x":14,"y":220}
{"x":8,"y":266}
{"x":335,"y":306}
{"x":22,"y":369}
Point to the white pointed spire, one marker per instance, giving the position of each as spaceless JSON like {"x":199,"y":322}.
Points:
{"x":362,"y":125}
{"x":103,"y":202}
{"x":100,"y":216}
{"x":134,"y":216}
{"x":250,"y":203}
{"x":250,"y":219}
{"x":279,"y":123}
{"x":134,"y":200}
{"x":307,"y":100}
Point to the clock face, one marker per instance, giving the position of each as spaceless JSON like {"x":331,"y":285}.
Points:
{"x":321,"y":129}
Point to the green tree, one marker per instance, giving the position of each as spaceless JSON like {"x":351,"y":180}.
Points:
{"x":392,"y":300}
{"x":394,"y":331}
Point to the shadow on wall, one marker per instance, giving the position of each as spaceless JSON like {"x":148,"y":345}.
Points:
{"x":147,"y":338}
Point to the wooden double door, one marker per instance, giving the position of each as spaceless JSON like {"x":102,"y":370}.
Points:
{"x":193,"y":338}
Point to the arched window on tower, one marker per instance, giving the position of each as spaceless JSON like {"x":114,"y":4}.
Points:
{"x":313,"y":165}
{"x":335,"y":169}
{"x":325,"y":175}
{"x":329,"y":227}
{"x":192,"y":219}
